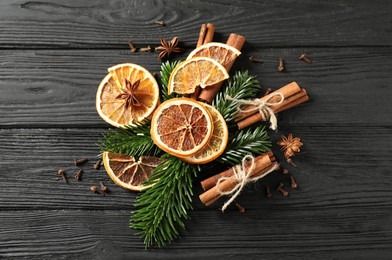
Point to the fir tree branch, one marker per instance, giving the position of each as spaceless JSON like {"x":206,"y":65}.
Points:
{"x":134,"y":141}
{"x":163,"y":208}
{"x":166,"y":69}
{"x":253,"y":140}
{"x":240,"y":86}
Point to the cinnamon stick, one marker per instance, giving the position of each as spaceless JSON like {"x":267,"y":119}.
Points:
{"x":302,"y":97}
{"x":293,"y":101}
{"x":286,"y":91}
{"x":210,"y":182}
{"x":213,"y":194}
{"x":227,"y":186}
{"x":206,"y":35}
{"x":208,"y":94}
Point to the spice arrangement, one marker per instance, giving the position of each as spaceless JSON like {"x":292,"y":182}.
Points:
{"x":199,"y":117}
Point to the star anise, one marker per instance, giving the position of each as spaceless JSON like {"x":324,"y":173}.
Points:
{"x":167,"y":48}
{"x":129,"y":94}
{"x":290,"y":146}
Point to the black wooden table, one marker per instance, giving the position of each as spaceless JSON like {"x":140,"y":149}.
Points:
{"x":55,"y":53}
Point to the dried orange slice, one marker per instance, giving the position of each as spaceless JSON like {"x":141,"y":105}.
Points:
{"x":218,"y":142}
{"x":181,"y":126}
{"x":127,"y":95}
{"x":222,"y":53}
{"x":198,"y":71}
{"x":126,"y":172}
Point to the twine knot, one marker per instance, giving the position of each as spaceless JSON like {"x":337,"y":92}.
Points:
{"x":242,"y":175}
{"x":264,"y":107}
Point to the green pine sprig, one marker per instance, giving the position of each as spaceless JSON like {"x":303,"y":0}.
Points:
{"x":241,"y":86}
{"x":131,"y":140}
{"x":166,"y":69}
{"x":253,"y":140}
{"x":162,"y":209}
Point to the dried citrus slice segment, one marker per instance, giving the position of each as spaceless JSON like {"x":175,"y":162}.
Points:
{"x":181,"y":126}
{"x":127,"y":95}
{"x":126,"y":172}
{"x":222,"y":53}
{"x":218,"y":142}
{"x":198,"y":71}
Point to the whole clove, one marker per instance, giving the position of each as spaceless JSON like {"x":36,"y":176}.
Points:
{"x":78,"y":175}
{"x":294,"y":184}
{"x":132,"y":47}
{"x":284,"y":171}
{"x":305,"y":58}
{"x":240,"y":208}
{"x":62,"y":173}
{"x":281,"y":65}
{"x":97,"y":165}
{"x":281,"y":190}
{"x":268,"y":192}
{"x":147,"y":49}
{"x":103,"y":187}
{"x":291,"y":162}
{"x":267,"y":91}
{"x":160,"y":22}
{"x":94,"y":189}
{"x":80,"y":161}
{"x":254,"y":59}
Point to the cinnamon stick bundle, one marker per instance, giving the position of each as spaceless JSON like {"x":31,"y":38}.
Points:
{"x":263,"y":164}
{"x":293,"y":95}
{"x":206,"y":35}
{"x":209,"y":93}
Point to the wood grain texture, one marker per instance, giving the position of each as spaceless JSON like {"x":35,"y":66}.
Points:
{"x":109,"y":24}
{"x":359,"y":232}
{"x":51,"y":88}
{"x":350,"y":176}
{"x":53,"y":54}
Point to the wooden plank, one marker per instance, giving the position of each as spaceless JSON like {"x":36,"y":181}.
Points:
{"x":360,"y":232}
{"x":109,"y":24}
{"x":343,"y":167}
{"x":53,"y":88}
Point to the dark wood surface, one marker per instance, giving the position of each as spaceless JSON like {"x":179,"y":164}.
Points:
{"x":53,"y":54}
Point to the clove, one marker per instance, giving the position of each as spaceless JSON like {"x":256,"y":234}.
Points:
{"x":104,"y":189}
{"x":291,"y":162}
{"x":267,"y":91}
{"x":147,"y":49}
{"x":97,"y":165}
{"x":78,"y":175}
{"x":284,"y":171}
{"x":80,"y":161}
{"x":305,"y":58}
{"x":62,"y":173}
{"x":160,"y":22}
{"x":281,"y":190}
{"x":294,"y":185}
{"x":132,"y":47}
{"x":240,"y":208}
{"x":281,"y":65}
{"x":94,"y":189}
{"x":254,"y":59}
{"x":268,"y":192}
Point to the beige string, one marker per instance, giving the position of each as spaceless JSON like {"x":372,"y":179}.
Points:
{"x":242,"y":176}
{"x":264,"y":107}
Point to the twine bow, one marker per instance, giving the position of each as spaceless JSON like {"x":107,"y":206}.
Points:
{"x":264,"y":107}
{"x":242,"y":175}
